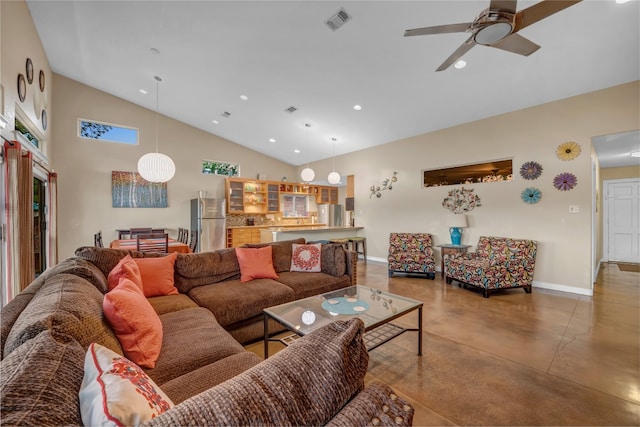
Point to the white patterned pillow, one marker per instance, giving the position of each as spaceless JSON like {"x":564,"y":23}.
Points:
{"x":116,"y":391}
{"x":306,"y":257}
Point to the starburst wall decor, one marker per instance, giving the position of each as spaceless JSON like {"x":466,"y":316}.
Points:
{"x":565,"y":181}
{"x":568,"y":150}
{"x":531,"y":170}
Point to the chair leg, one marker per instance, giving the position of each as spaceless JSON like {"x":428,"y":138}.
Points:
{"x":485,"y":293}
{"x":390,"y":273}
{"x":527,"y":289}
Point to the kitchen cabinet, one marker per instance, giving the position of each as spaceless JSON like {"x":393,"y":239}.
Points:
{"x":327,"y":195}
{"x":273,"y":197}
{"x":242,"y":235}
{"x":246,"y":196}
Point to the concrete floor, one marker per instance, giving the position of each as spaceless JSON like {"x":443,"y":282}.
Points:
{"x":546,"y":358}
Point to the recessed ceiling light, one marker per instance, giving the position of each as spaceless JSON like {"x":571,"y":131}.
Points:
{"x":635,"y":154}
{"x":357,"y":107}
{"x":460,"y":64}
{"x":144,"y":92}
{"x":215,"y":122}
{"x":621,"y":1}
{"x":244,"y":97}
{"x":272,"y":140}
{"x":296,"y":151}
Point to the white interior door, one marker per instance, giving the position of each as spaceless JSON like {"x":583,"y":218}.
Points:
{"x":623,"y":220}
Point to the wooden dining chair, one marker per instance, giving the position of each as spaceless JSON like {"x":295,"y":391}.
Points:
{"x":134,"y":232}
{"x":183,"y":235}
{"x":97,"y":239}
{"x":193,"y":245}
{"x":152,"y":243}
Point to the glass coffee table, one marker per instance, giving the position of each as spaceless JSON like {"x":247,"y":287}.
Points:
{"x":376,"y":308}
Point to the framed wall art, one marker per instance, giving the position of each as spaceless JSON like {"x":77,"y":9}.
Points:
{"x":130,"y":190}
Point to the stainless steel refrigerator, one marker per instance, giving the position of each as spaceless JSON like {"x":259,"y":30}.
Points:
{"x":330,"y":215}
{"x":208,"y":221}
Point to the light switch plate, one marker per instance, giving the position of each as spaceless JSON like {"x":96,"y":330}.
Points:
{"x":574,"y":208}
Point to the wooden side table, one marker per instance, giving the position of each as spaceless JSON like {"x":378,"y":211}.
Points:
{"x":450,"y":250}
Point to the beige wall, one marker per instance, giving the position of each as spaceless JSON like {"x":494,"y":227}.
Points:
{"x":84,"y":167}
{"x":533,"y":134}
{"x":19,"y":41}
{"x":620,"y":173}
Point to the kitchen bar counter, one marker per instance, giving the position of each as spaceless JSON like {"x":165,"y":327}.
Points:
{"x":261,"y":226}
{"x":309,"y":232}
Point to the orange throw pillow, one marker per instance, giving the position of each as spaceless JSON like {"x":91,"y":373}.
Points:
{"x":135,"y":323}
{"x":255,"y":263}
{"x":128,"y":268}
{"x":157,"y":275}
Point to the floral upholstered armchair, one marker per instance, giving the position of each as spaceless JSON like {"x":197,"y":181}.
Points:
{"x":497,"y":263}
{"x":411,"y":253}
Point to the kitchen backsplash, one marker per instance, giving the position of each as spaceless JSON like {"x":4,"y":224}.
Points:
{"x":238,"y":220}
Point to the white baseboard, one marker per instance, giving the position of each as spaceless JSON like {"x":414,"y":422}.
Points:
{"x":562,"y":288}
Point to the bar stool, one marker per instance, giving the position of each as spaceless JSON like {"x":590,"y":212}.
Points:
{"x":355,"y":242}
{"x":343,"y":242}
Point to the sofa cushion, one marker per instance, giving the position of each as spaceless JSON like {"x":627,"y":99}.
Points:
{"x":135,"y":323}
{"x":308,"y":284}
{"x":115,"y":391}
{"x":65,"y":304}
{"x":40,"y":380}
{"x":106,"y":259}
{"x":128,"y":268}
{"x":255,"y":263}
{"x":304,"y":384}
{"x":333,"y":259}
{"x":281,"y":252}
{"x":191,"y":339}
{"x":192,"y":270}
{"x":157,"y":275}
{"x":232,"y":301}
{"x":168,"y":303}
{"x":204,"y":378}
{"x":306,"y":257}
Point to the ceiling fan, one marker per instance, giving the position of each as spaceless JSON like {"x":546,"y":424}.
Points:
{"x":497,"y":26}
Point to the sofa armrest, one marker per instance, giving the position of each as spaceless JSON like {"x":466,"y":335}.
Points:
{"x":307,"y":383}
{"x":375,"y":405}
{"x":352,"y":266}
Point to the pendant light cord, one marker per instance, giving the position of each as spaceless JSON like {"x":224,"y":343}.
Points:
{"x":158,"y":80}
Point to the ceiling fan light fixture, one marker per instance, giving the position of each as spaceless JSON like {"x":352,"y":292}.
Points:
{"x":460,"y":64}
{"x":493,"y":33}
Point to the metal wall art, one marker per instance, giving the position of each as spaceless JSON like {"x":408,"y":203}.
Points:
{"x":387,"y":184}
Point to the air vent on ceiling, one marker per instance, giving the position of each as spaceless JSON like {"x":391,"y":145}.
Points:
{"x":291,"y":109}
{"x":226,"y":114}
{"x":338,"y":20}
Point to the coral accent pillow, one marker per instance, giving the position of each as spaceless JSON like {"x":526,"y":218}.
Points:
{"x":135,"y":323}
{"x":255,"y":263}
{"x":128,"y":268}
{"x":157,"y":275}
{"x":117,"y":392}
{"x":306,"y":257}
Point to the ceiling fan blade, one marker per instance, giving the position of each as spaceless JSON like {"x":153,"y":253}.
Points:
{"x":539,"y":11}
{"x":517,"y":44}
{"x":464,"y":48}
{"x":438,"y":29}
{"x":504,"y":5}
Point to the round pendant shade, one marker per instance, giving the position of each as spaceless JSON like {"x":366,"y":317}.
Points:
{"x":334,"y":178}
{"x":156,"y":167}
{"x":307,"y":174}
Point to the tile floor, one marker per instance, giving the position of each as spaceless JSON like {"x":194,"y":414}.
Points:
{"x":546,"y":358}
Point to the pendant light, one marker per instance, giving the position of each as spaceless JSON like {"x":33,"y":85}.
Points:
{"x":307,"y":173}
{"x":156,"y":167}
{"x":334,"y":177}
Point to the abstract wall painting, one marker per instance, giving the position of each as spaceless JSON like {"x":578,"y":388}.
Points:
{"x":130,"y":190}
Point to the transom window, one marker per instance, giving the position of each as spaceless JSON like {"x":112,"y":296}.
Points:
{"x":90,"y":129}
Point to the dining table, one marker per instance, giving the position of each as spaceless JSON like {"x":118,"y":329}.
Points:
{"x":130,"y":244}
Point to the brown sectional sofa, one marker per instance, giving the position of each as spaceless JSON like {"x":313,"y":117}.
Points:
{"x":202,"y":367}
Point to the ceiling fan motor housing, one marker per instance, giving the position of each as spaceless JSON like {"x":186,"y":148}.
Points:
{"x":491,"y":26}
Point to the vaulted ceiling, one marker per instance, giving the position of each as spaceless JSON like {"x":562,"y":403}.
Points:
{"x":281,"y":54}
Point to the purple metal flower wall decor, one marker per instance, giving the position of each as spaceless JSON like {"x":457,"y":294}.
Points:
{"x":531,"y":170}
{"x":565,"y":181}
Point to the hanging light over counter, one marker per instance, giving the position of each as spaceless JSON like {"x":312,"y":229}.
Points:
{"x":334,"y":177}
{"x":307,"y":173}
{"x":156,"y":167}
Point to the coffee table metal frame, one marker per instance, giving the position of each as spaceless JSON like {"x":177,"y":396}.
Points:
{"x":384,"y":307}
